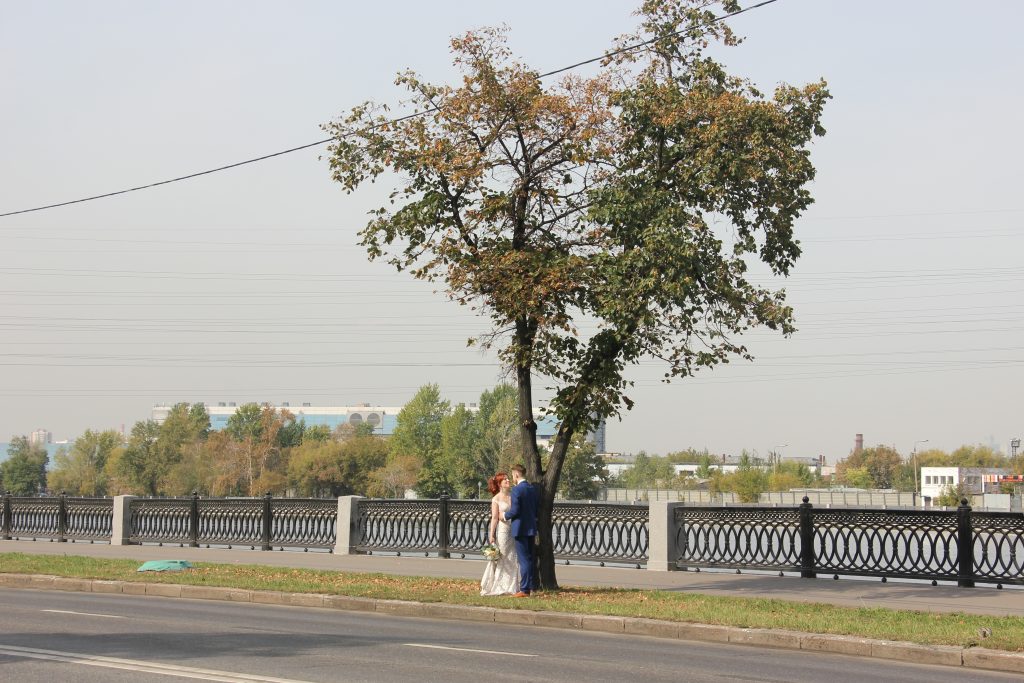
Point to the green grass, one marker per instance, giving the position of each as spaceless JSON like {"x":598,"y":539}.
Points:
{"x":1007,"y":633}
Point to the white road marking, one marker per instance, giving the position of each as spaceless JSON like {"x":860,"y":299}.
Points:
{"x":139,"y":665}
{"x":467,"y":649}
{"x":84,"y":614}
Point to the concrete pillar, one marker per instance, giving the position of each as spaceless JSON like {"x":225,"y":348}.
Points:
{"x":344,"y":540}
{"x":122,"y":531}
{"x":661,"y":536}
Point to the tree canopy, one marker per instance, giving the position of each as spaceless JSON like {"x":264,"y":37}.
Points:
{"x":24,"y":471}
{"x":631,"y":200}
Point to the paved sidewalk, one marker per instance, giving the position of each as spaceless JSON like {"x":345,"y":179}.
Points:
{"x":983,"y":599}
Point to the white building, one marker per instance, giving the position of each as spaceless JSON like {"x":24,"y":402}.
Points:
{"x":975,"y":480}
{"x":40,"y":437}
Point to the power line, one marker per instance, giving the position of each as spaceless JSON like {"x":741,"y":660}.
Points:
{"x":628,"y":48}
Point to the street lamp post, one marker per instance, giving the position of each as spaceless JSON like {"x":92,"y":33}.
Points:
{"x":914,"y":465}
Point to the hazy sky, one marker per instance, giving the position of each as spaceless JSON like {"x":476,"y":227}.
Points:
{"x":246,"y":285}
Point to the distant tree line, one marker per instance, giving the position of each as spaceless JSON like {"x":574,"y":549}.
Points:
{"x":880,"y":467}
{"x":435,"y":449}
{"x":748,"y":481}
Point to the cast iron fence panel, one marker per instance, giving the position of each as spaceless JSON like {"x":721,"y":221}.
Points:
{"x":600,"y":532}
{"x":748,"y":537}
{"x":31,"y":517}
{"x":468,"y":525}
{"x":607,"y":533}
{"x":90,"y":519}
{"x":998,"y":547}
{"x":398,"y":525}
{"x":906,"y":544}
{"x":160,"y":520}
{"x":231,"y":521}
{"x":304,"y":522}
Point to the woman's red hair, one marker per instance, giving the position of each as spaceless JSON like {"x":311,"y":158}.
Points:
{"x":494,"y":483}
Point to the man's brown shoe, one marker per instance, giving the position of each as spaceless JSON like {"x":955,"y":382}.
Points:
{"x":521,"y":594}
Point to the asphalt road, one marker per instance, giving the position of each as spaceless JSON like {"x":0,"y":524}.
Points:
{"x":84,"y":637}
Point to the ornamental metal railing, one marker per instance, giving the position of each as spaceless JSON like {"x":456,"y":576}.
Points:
{"x":933,"y":545}
{"x":580,"y":531}
{"x":257,"y":522}
{"x":58,"y":518}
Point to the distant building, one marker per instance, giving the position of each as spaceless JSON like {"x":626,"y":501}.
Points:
{"x":40,"y":437}
{"x":975,"y":480}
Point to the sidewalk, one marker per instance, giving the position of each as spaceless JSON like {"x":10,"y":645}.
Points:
{"x":983,"y":599}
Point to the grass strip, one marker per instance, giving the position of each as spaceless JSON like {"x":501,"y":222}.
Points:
{"x":964,"y":630}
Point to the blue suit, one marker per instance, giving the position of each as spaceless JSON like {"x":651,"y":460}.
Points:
{"x":523,"y":515}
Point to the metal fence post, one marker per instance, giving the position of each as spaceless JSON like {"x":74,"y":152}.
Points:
{"x":443,"y":524}
{"x":965,"y":545}
{"x":7,"y":516}
{"x":266,"y":521}
{"x":807,"y":564}
{"x":62,"y":518}
{"x":193,"y":521}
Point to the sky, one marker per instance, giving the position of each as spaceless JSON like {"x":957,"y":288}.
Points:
{"x":248,"y":284}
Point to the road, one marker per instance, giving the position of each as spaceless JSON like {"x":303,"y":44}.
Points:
{"x":89,"y":638}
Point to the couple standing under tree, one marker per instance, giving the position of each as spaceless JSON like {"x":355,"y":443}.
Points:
{"x":513,"y":529}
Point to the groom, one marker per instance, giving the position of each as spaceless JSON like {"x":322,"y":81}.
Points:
{"x":523,"y":515}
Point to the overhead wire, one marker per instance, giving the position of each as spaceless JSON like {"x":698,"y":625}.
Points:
{"x":628,"y":48}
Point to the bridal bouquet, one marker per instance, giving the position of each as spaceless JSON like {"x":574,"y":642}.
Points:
{"x":491,"y":552}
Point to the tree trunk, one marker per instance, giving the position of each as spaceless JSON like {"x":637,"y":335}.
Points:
{"x":545,"y":515}
{"x":528,"y":426}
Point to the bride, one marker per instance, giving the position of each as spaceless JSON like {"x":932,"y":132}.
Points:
{"x":501,"y":577}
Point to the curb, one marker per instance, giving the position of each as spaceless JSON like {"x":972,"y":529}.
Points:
{"x":943,"y":655}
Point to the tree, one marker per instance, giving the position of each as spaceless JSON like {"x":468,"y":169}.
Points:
{"x":24,"y":471}
{"x":418,"y":434}
{"x":633,"y":198}
{"x":857,"y":477}
{"x":500,"y":445}
{"x":149,"y":464}
{"x":246,"y":422}
{"x":395,"y":477}
{"x":950,"y":496}
{"x":81,"y":470}
{"x":748,"y":485}
{"x":319,"y":434}
{"x":141,"y":466}
{"x":883,"y":465}
{"x":703,"y":470}
{"x":333,"y":468}
{"x":689,"y":456}
{"x":789,"y":475}
{"x":249,"y":456}
{"x":196,"y":469}
{"x":460,"y":437}
{"x":647,"y":472}
{"x":583,"y":473}
{"x":977,"y":456}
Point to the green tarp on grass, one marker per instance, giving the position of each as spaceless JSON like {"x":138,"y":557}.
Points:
{"x":165,"y":566}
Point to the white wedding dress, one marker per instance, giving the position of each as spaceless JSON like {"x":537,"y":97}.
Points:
{"x":501,"y":577}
